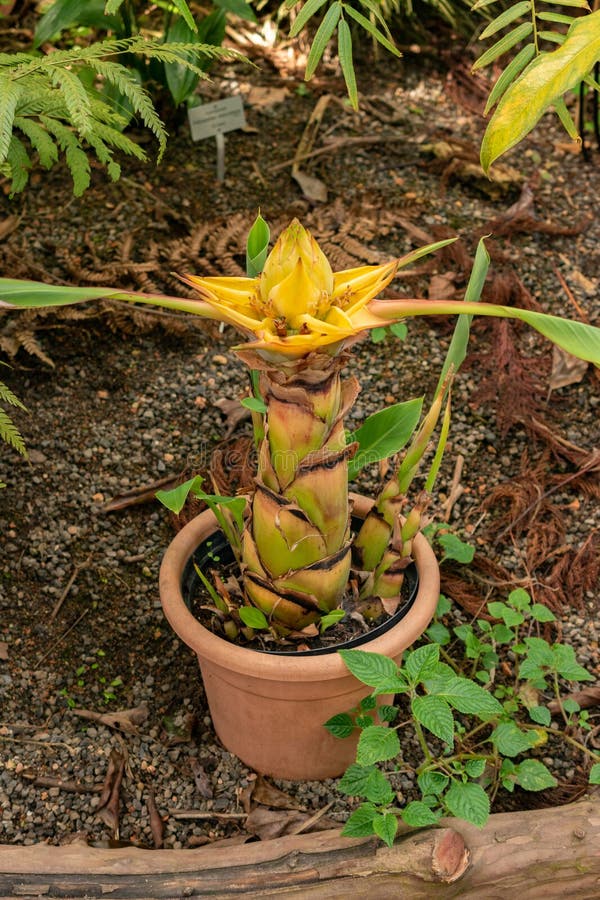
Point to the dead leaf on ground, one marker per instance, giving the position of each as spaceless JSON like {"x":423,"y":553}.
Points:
{"x":126,"y":720}
{"x":265,"y":97}
{"x":178,"y":728}
{"x":3,"y":650}
{"x":156,"y":822}
{"x":312,"y":187}
{"x":566,"y":369}
{"x":589,"y":696}
{"x":441,"y":287}
{"x":589,"y":285}
{"x":268,"y":824}
{"x":201,"y":780}
{"x":9,"y":224}
{"x":108,"y":807}
{"x":268,"y":795}
{"x":234,"y":413}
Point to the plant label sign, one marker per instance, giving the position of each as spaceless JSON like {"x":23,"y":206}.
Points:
{"x":214,"y":120}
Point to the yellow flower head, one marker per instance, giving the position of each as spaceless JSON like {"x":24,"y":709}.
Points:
{"x":297,"y":304}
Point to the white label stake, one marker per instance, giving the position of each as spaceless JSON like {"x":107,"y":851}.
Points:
{"x":214,"y":120}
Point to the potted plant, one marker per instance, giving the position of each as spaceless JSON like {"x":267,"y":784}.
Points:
{"x":297,"y":547}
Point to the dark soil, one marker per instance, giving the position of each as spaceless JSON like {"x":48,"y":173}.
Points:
{"x":130,"y":399}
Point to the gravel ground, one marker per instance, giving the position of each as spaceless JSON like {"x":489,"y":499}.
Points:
{"x":81,"y":623}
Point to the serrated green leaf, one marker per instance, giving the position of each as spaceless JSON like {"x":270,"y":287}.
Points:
{"x":471,"y":699}
{"x":384,"y":433}
{"x":387,"y":713}
{"x":502,"y":634}
{"x":519,"y":599}
{"x":9,"y":97}
{"x":370,"y":668}
{"x":506,"y":18}
{"x":540,"y":715}
{"x":345,"y":57}
{"x":432,"y":783}
{"x":377,"y":744}
{"x":469,"y":802}
{"x":421,"y":663}
{"x":435,"y":715}
{"x":566,"y":664}
{"x":360,"y":823}
{"x":570,"y":706}
{"x":340,"y":726}
{"x":444,"y":605}
{"x":418,"y":815}
{"x":539,"y":652}
{"x":456,"y":549}
{"x":322,"y":38}
{"x":533,"y":775}
{"x":503,"y":45}
{"x":385,"y":826}
{"x":545,"y":80}
{"x":368,"y":782}
{"x":368,"y":702}
{"x":475,"y":767}
{"x":308,"y":10}
{"x":439,"y":633}
{"x":541,"y":613}
{"x":595,"y":774}
{"x":253,"y":618}
{"x":509,"y":740}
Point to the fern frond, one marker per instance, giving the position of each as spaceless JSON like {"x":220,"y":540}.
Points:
{"x":20,"y":164}
{"x":11,"y":434}
{"x":9,"y":97}
{"x":27,"y":339}
{"x":76,"y":99}
{"x":39,"y":139}
{"x":77,"y":161}
{"x":7,"y":396}
{"x":119,"y":140}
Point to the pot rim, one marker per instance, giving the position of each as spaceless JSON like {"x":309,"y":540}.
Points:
{"x":269,"y":666}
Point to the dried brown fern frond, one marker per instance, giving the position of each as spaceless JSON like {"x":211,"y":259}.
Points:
{"x":573,"y":575}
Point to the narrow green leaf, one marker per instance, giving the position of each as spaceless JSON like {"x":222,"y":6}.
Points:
{"x":559,"y":18}
{"x":595,"y":774}
{"x":435,"y":715}
{"x":533,"y":775}
{"x":340,"y":726}
{"x":469,"y":802}
{"x":566,"y":118}
{"x":257,"y":246}
{"x":555,"y":37}
{"x":503,"y":45}
{"x":514,"y":68}
{"x":308,"y":10}
{"x":418,"y":815}
{"x":185,"y":12}
{"x":368,"y":26}
{"x":322,"y":38}
{"x":331,"y":618}
{"x":506,"y":18}
{"x":578,"y":4}
{"x":385,"y":826}
{"x":384,"y":433}
{"x":345,"y":56}
{"x":370,"y":668}
{"x":64,"y":14}
{"x":253,"y":617}
{"x":368,"y":782}
{"x":377,"y":744}
{"x":547,"y":78}
{"x":239,"y":8}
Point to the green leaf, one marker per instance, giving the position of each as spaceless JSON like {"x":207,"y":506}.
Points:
{"x":421,"y":663}
{"x":184,"y":11}
{"x":370,"y":668}
{"x":541,"y":613}
{"x":509,"y":740}
{"x":257,"y":246}
{"x":470,"y":698}
{"x":514,"y":68}
{"x":253,"y":617}
{"x":595,"y":774}
{"x":502,"y":634}
{"x":340,"y":725}
{"x":384,"y":433}
{"x":64,"y":14}
{"x":444,"y":605}
{"x":387,"y":713}
{"x":368,"y":782}
{"x":385,"y":826}
{"x":360,"y":823}
{"x":506,"y":18}
{"x":570,"y":705}
{"x":503,"y":45}
{"x":566,"y":664}
{"x":559,"y":18}
{"x":456,"y":549}
{"x":475,"y":767}
{"x":238,"y":7}
{"x":175,"y":499}
{"x":377,"y":744}
{"x":345,"y":57}
{"x":40,"y":140}
{"x":539,"y":651}
{"x":368,"y":702}
{"x":254,"y":403}
{"x":519,"y":599}
{"x":432,"y":783}
{"x":546,"y":79}
{"x":368,"y":26}
{"x":438,"y":633}
{"x":308,"y":10}
{"x":532,"y":775}
{"x":540,"y":715}
{"x":418,"y":815}
{"x":9,"y":97}
{"x":469,"y":802}
{"x":331,"y":618}
{"x":435,"y":715}
{"x":399,"y":330}
{"x":321,"y":38}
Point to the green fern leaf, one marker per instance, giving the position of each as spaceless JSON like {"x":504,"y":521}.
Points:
{"x":77,"y":161}
{"x":506,"y":18}
{"x":11,"y":434}
{"x":119,"y":76}
{"x":40,"y":140}
{"x":7,"y":396}
{"x":9,"y":97}
{"x":76,"y":99}
{"x":503,"y":45}
{"x":514,"y":68}
{"x":20,"y":164}
{"x":117,"y":139}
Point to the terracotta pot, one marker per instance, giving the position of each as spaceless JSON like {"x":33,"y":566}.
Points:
{"x":267,"y":709}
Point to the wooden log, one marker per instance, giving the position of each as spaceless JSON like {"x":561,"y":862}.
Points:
{"x":541,"y":853}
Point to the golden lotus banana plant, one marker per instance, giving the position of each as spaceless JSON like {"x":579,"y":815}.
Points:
{"x":299,"y":319}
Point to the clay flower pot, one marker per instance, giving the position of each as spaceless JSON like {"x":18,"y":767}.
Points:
{"x":269,"y":709}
